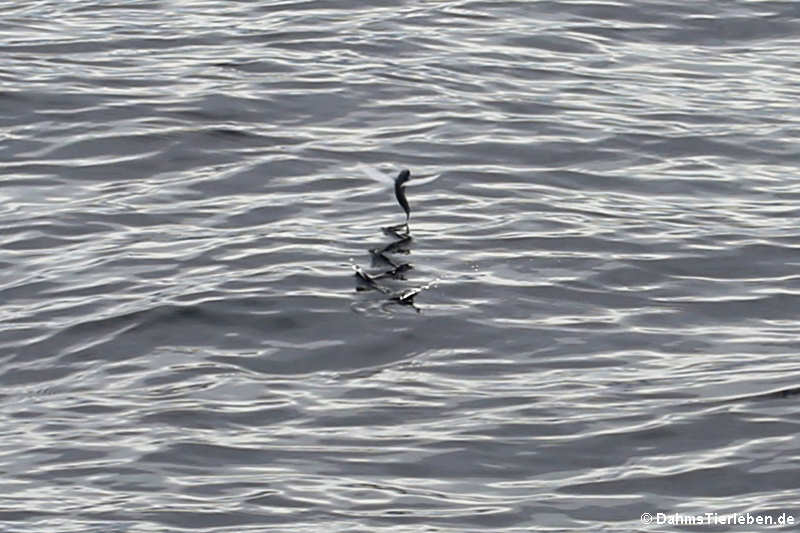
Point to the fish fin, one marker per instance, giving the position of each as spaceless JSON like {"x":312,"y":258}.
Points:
{"x":375,"y":174}
{"x":413,"y":182}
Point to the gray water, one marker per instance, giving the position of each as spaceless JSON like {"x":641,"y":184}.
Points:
{"x":609,"y":325}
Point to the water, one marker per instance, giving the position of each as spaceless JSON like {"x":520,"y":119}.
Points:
{"x":611,"y":254}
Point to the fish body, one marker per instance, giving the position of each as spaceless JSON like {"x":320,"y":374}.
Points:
{"x":402,"y":180}
{"x":400,"y":191}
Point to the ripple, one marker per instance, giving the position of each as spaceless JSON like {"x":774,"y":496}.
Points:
{"x":613,"y":237}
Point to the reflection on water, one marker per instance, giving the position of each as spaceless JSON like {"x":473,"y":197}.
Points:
{"x":386,"y":256}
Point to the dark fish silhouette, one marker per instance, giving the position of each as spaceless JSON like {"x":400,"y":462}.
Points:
{"x":402,"y":180}
{"x":400,"y":192}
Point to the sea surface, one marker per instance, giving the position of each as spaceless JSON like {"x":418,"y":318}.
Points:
{"x":607,"y":269}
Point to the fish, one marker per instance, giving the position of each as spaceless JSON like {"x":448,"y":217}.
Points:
{"x":400,"y":183}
